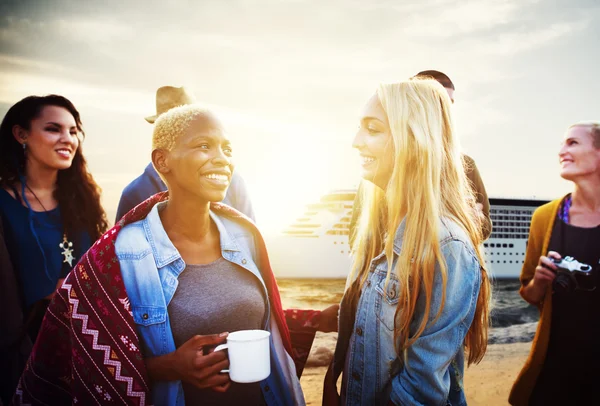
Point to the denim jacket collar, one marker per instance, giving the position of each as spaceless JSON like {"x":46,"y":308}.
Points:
{"x":228,"y":243}
{"x":163,"y":249}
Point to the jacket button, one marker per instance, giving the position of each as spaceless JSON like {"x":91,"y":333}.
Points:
{"x":267,"y":388}
{"x":145,"y":316}
{"x":368,"y":282}
{"x":356,"y":376}
{"x":359,"y":331}
{"x":244,"y":261}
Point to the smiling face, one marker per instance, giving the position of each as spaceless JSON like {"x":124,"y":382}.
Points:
{"x":199,"y":162}
{"x":374,"y":143}
{"x":578,"y":156}
{"x":51,"y":140}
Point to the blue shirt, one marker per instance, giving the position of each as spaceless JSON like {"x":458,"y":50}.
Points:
{"x":149,"y":183}
{"x":150,"y":266}
{"x":31,"y":260}
{"x":374,"y":374}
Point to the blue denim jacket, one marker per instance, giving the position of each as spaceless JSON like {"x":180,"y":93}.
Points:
{"x":150,"y":265}
{"x":373,"y":371}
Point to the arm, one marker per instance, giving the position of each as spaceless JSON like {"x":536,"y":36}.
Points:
{"x":480,"y":195}
{"x":303,"y":326}
{"x":535,"y":278}
{"x":532,"y":255}
{"x":425,"y":379}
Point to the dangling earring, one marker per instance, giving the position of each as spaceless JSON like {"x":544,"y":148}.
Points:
{"x":24,"y":146}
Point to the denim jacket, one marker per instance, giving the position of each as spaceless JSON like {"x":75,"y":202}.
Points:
{"x":150,"y":266}
{"x":373,"y":371}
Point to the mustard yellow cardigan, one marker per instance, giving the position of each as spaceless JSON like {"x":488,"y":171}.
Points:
{"x":539,"y":239}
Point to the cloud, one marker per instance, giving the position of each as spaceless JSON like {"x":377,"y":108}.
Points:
{"x":92,"y":31}
{"x":527,"y":40}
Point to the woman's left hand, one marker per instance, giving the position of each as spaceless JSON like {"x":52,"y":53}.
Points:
{"x":328,"y":319}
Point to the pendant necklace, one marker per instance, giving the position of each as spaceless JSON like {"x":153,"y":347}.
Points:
{"x":65,"y":245}
{"x":67,"y":250}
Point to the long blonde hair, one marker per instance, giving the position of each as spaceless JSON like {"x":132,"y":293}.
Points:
{"x":428,"y":182}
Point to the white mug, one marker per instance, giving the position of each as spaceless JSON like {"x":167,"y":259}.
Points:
{"x":249,"y":355}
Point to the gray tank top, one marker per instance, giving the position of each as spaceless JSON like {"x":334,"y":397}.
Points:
{"x":210,"y":299}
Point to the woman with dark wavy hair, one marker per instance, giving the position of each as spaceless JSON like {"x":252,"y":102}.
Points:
{"x":49,"y":206}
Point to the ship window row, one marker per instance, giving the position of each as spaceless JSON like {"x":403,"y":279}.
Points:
{"x":512,"y":223}
{"x":513,"y":218}
{"x":507,"y":211}
{"x":512,"y":235}
{"x":498,"y":245}
{"x":511,"y":229}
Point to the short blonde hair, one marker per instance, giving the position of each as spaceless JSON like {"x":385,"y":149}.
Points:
{"x":173,"y":124}
{"x":594,"y":127}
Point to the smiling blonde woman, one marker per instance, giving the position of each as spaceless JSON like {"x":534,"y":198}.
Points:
{"x":562,"y":368}
{"x":417,"y":259}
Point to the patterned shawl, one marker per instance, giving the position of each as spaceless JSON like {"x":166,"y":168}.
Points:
{"x":88,"y":351}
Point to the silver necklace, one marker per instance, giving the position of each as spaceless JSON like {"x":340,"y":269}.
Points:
{"x":66,"y":246}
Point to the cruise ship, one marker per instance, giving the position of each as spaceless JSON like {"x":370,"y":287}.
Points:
{"x":316,"y":244}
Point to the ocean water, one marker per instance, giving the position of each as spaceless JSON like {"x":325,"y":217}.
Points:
{"x":513,"y":319}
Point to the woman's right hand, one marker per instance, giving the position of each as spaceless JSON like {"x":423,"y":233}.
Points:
{"x":546,"y":270}
{"x":188,"y":363}
{"x":203,"y":371}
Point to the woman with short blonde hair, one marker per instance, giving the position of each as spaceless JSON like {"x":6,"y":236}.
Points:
{"x":417,"y":258}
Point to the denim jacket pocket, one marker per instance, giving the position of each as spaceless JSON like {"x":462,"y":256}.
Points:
{"x":148,"y":315}
{"x":387,"y":301}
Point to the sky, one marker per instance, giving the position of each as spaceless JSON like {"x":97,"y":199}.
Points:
{"x":288,"y":79}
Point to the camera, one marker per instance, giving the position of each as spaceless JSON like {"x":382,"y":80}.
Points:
{"x":572,"y":275}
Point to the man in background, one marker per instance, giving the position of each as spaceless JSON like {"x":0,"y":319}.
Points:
{"x":483,"y":204}
{"x":149,"y":183}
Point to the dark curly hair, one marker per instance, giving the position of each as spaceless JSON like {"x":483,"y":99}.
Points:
{"x":76,"y":192}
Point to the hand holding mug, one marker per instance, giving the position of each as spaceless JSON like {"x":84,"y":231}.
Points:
{"x":203,"y":371}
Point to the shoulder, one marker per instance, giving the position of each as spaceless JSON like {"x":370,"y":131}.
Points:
{"x":144,"y":183}
{"x":235,"y":226}
{"x":451,"y":231}
{"x":470,"y":161}
{"x":547,"y":210}
{"x":239,"y":232}
{"x":131,"y":239}
{"x":456,"y":243}
{"x":237,"y":182}
{"x":7,"y":195}
{"x":134,"y":186}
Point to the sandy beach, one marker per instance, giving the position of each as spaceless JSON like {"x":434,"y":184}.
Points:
{"x":486,"y":384}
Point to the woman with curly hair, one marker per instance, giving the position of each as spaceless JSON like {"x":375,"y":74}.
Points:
{"x":49,"y":206}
